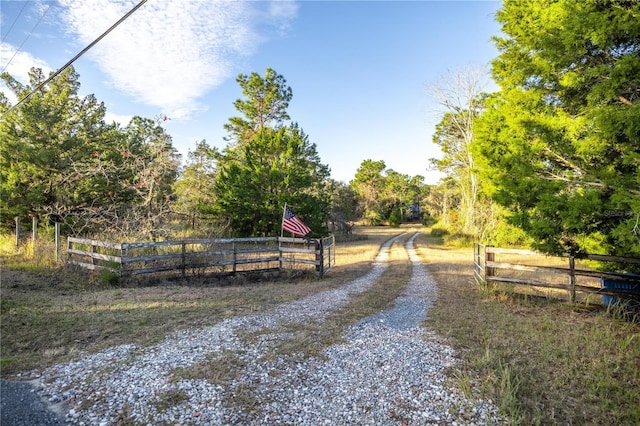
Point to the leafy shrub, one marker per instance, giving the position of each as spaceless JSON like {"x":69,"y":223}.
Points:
{"x":459,"y":239}
{"x":439,"y":232}
{"x":395,"y":218}
{"x":506,"y":235}
{"x":428,"y":220}
{"x":109,"y":277}
{"x":372,"y":218}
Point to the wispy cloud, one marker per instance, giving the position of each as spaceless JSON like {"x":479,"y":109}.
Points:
{"x":18,"y":66}
{"x":281,"y":14}
{"x":169,"y":53}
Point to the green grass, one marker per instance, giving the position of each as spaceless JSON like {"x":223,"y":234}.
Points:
{"x":541,"y":360}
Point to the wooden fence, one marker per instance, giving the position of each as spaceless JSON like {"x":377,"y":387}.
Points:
{"x":564,"y":272}
{"x":200,"y":256}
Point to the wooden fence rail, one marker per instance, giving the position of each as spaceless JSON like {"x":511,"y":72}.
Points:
{"x":486,"y":269}
{"x":228,"y":255}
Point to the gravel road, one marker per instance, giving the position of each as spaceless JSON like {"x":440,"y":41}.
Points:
{"x":389,"y":370}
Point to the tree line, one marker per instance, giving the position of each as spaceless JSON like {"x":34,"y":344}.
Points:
{"x":60,"y":160}
{"x":551,"y":160}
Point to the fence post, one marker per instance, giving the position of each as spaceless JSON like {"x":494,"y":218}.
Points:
{"x":320,"y":257}
{"x":235,"y":256}
{"x":476,"y":262}
{"x":34,"y":230}
{"x":123,"y":262}
{"x":57,"y":227}
{"x":18,"y":229}
{"x":94,"y":249}
{"x":572,"y":279}
{"x":184,"y":258}
{"x":489,"y":256}
{"x":476,"y":249}
{"x":335,"y":250}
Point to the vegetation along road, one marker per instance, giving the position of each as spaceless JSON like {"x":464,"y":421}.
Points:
{"x":288,"y":365}
{"x":540,"y":361}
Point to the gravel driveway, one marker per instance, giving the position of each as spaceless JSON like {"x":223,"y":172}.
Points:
{"x":388,"y":371}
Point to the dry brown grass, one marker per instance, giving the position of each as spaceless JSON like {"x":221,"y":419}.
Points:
{"x":543,"y":361}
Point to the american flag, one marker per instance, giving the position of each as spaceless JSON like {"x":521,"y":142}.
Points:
{"x":291,"y":223}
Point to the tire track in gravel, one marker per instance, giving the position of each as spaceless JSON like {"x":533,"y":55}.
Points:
{"x":389,"y":371}
{"x":128,"y":383}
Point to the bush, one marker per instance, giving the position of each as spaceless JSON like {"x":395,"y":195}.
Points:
{"x":439,"y":232}
{"x":428,"y":220}
{"x":109,"y":277}
{"x":459,"y":239}
{"x":372,"y":218}
{"x":505,"y":235}
{"x":395,"y":218}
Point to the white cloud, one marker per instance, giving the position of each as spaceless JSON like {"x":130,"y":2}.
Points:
{"x":19,"y":67}
{"x":282,"y":12}
{"x":123,"y":120}
{"x":168,"y":53}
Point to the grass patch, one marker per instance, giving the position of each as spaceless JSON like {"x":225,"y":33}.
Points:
{"x":541,"y":360}
{"x":170,"y":398}
{"x":219,"y":368}
{"x":28,"y":255}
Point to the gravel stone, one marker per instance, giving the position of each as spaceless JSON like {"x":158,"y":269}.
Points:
{"x":389,"y":370}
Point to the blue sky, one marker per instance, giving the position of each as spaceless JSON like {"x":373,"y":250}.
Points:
{"x":359,"y":70}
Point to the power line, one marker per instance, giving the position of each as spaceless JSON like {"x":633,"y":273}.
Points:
{"x":14,"y":21}
{"x":65,"y":66}
{"x":26,"y":38}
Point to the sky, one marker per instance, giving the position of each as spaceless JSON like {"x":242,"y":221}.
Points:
{"x":360,"y":71}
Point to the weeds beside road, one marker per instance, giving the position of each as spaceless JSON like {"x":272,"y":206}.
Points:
{"x":542,"y":361}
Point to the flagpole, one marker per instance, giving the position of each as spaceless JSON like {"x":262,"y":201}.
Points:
{"x":282,"y":223}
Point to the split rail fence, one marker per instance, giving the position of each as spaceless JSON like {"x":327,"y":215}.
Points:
{"x":566,"y":272}
{"x":204,"y":256}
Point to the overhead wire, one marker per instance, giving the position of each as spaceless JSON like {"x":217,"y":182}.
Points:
{"x":26,"y":38}
{"x":14,"y":22}
{"x":72,"y":60}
